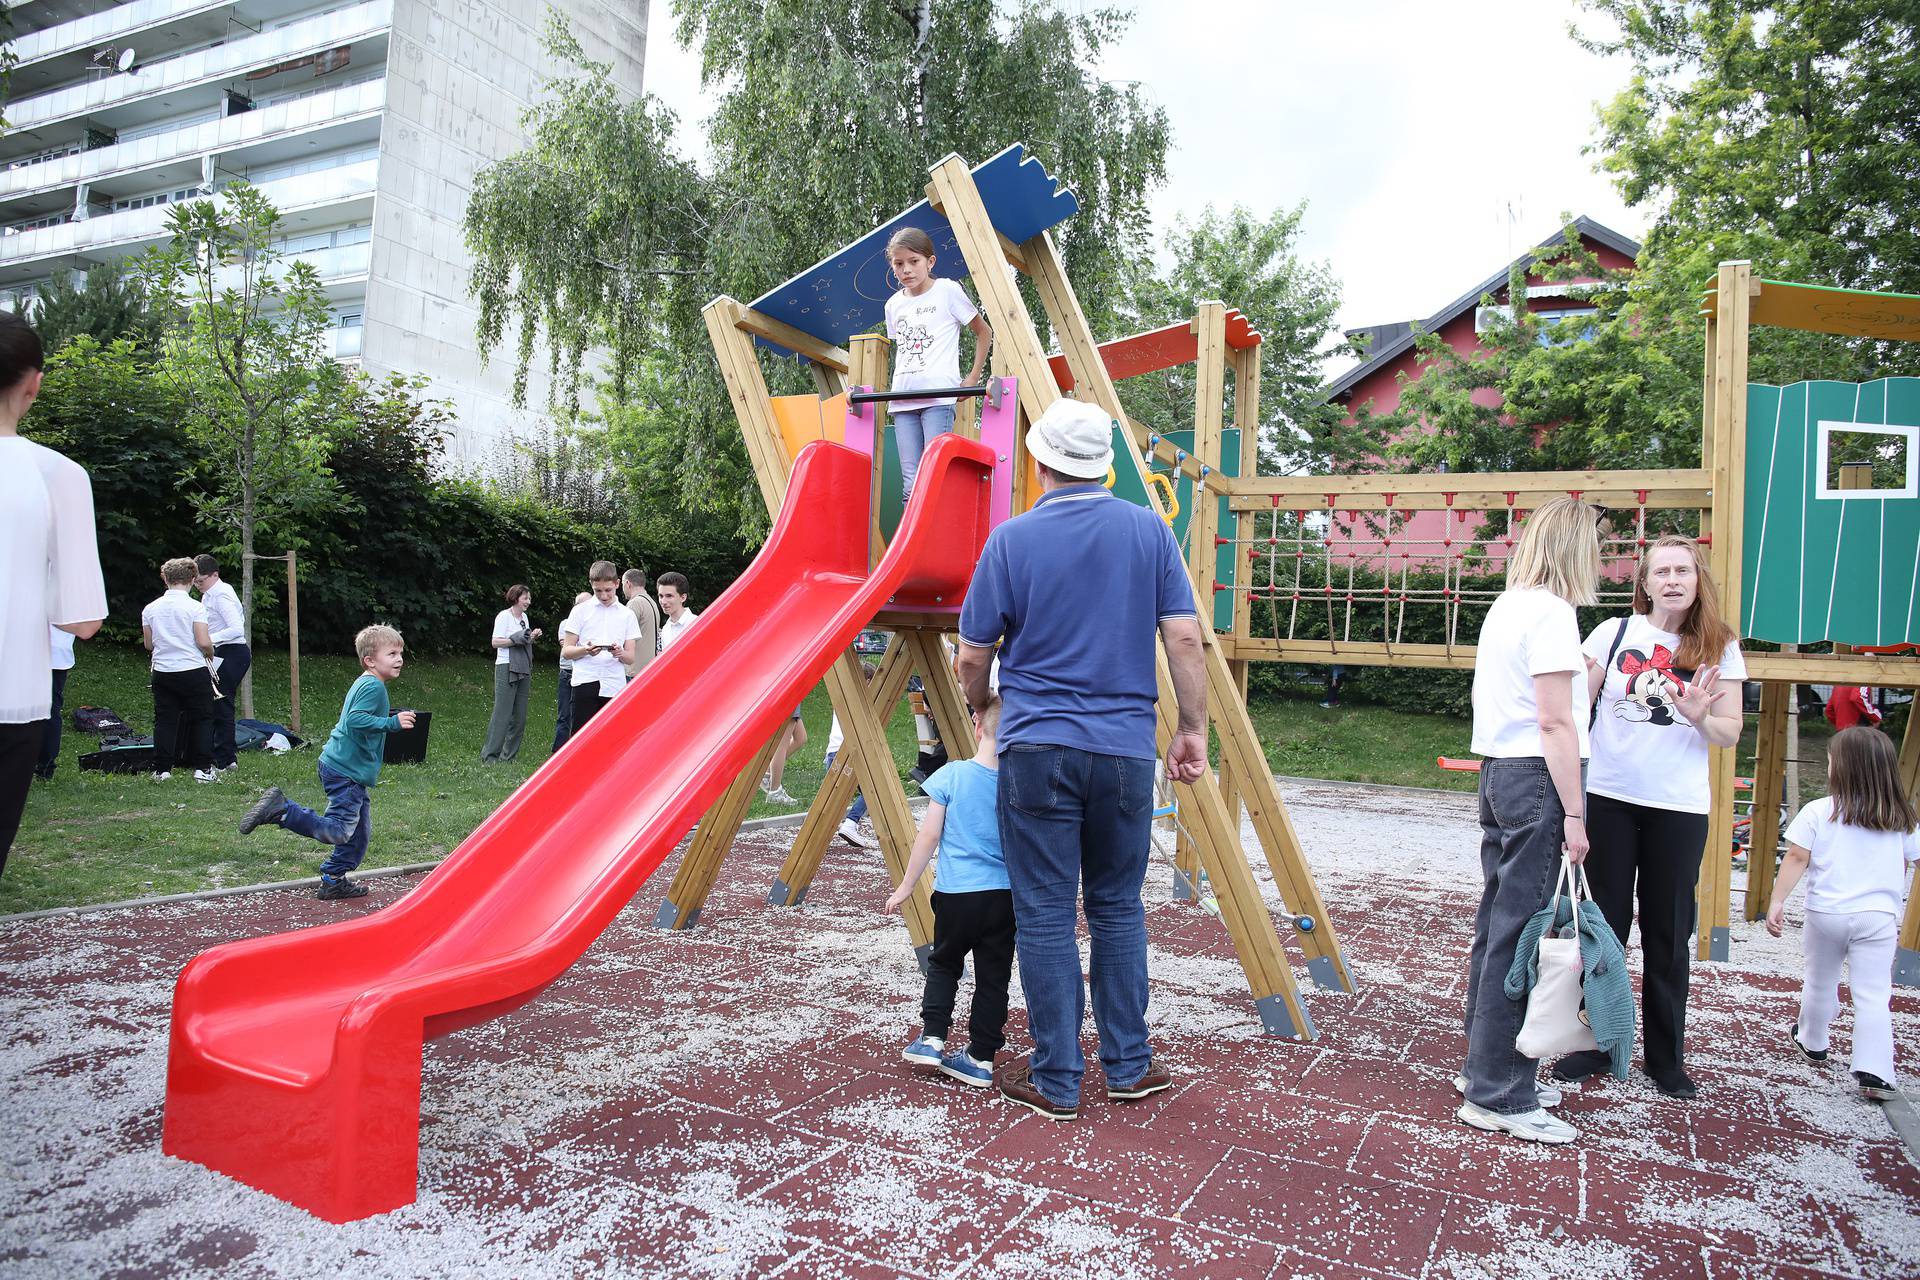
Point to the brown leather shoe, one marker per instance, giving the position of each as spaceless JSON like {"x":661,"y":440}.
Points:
{"x":1154,"y":1080}
{"x":1016,"y":1085}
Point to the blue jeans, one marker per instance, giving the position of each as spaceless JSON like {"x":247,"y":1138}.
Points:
{"x":563,"y":714}
{"x":858,"y":809}
{"x":346,"y":824}
{"x":1521,"y":821}
{"x":1075,"y":824}
{"x":913,"y":431}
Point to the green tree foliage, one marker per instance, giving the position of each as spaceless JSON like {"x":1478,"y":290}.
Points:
{"x":242,"y":351}
{"x":826,"y":119}
{"x":106,"y":304}
{"x":102,"y":407}
{"x":1252,"y":264}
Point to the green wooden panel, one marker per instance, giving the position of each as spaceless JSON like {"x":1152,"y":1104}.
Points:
{"x":1818,"y":567}
{"x":1226,"y":563}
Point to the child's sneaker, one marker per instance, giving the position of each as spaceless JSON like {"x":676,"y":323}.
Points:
{"x":1872,"y":1086}
{"x":206,"y":775}
{"x":925,"y":1051}
{"x":332,"y":890}
{"x":967,"y":1069}
{"x":780,"y":795}
{"x":1818,"y":1057}
{"x":851,"y":833}
{"x":266,"y":809}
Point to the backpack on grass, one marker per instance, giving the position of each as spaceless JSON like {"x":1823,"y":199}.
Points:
{"x":98,"y":720}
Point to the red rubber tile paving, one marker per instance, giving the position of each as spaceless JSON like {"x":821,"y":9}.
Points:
{"x":728,"y":1101}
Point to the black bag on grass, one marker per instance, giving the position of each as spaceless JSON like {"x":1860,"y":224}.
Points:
{"x":98,"y":720}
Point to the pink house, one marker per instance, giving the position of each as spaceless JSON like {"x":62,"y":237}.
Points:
{"x":1374,"y":383}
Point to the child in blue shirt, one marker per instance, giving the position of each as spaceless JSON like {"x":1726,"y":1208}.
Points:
{"x":349,"y":767}
{"x":972,"y":909}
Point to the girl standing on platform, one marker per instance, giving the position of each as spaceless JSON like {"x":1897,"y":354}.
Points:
{"x":924,"y":320}
{"x":1857,"y":842}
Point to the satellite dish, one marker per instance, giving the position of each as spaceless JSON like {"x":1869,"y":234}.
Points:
{"x":125,"y":61}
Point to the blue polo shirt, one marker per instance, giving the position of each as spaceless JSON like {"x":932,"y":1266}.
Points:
{"x":1075,"y":590}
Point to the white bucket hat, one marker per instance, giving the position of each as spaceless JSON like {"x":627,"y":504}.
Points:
{"x":1073,"y":438}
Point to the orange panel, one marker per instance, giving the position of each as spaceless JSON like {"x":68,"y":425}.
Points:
{"x":804,"y":419}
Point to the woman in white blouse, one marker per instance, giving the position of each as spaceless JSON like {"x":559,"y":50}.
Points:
{"x":512,"y":676}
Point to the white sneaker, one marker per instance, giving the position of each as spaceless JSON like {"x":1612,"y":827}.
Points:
{"x":1549,"y":1095}
{"x":852,"y":834}
{"x":206,"y":775}
{"x":1528,"y":1126}
{"x":161,"y":777}
{"x":779,"y":795}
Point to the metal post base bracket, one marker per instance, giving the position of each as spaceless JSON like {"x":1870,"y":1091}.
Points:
{"x":1277,"y":1019}
{"x":1906,"y":968}
{"x":669,"y":913}
{"x":1183,"y":890}
{"x":1717,"y":948}
{"x":782,"y":896}
{"x":1326,"y":975}
{"x":920,"y":955}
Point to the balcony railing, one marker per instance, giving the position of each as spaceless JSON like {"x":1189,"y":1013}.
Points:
{"x":106,"y":26}
{"x":131,"y":226}
{"x":313,"y":35}
{"x":191,"y":141}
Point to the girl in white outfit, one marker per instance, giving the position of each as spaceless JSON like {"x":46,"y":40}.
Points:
{"x":1857,"y":843}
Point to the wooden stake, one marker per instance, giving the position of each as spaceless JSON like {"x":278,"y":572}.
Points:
{"x":1764,"y":822}
{"x":293,"y":640}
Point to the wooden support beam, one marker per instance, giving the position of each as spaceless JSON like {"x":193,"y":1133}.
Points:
{"x":1209,"y":411}
{"x":1676,"y":488}
{"x":1906,"y":962}
{"x":945,"y":702}
{"x":762,"y":325}
{"x":1728,"y":472}
{"x":1769,"y":777}
{"x":1008,"y":249}
{"x":830,"y":803}
{"x":747,"y":388}
{"x":712,"y":840}
{"x":869,"y":369}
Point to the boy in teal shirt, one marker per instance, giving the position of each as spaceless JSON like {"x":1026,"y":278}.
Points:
{"x":349,"y":766}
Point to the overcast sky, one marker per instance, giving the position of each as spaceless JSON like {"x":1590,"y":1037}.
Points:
{"x":1432,"y":141}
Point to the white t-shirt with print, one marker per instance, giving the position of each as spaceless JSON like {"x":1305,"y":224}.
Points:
{"x":596,"y":623}
{"x":1645,"y":752}
{"x":171,"y":618}
{"x":1851,"y":868}
{"x":505,"y":627}
{"x":1529,"y":632}
{"x":49,"y":569}
{"x":926,"y":338}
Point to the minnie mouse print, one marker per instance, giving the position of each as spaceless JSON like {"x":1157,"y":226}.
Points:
{"x":1652,"y":686}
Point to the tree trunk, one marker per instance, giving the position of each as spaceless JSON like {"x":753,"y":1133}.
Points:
{"x":246,"y":591}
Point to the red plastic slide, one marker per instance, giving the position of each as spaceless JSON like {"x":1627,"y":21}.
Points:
{"x":294,"y":1064}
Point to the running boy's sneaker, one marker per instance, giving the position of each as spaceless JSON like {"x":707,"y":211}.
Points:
{"x":925,"y":1051}
{"x":332,"y":890}
{"x":267,"y":808}
{"x":1529,"y":1126}
{"x":1818,"y":1057}
{"x":1549,"y":1097}
{"x":967,"y":1069}
{"x":1872,"y":1086}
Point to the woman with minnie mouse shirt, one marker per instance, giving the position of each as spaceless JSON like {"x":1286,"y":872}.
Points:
{"x":1668,"y":680}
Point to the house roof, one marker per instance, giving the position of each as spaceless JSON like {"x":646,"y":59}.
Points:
{"x":1390,"y":341}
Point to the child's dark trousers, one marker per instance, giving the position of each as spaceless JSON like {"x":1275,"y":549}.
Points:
{"x":182,"y":719}
{"x":981,"y":924}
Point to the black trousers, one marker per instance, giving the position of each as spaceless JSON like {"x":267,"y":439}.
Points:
{"x":19,"y":749}
{"x":1661,"y":849}
{"x":235,"y":660}
{"x":981,"y":924}
{"x":50,"y":735}
{"x":586,"y":704}
{"x":182,"y":719}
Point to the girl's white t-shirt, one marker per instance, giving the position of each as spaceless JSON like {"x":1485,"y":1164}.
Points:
{"x":596,"y":623}
{"x":1529,"y":632}
{"x":49,"y":569}
{"x":1851,"y":868}
{"x":1645,"y":752}
{"x":926,"y":339}
{"x":505,"y":627}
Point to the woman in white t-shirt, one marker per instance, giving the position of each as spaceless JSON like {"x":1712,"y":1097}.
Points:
{"x":1668,"y":680}
{"x":1530,"y":727}
{"x":512,"y":676}
{"x":1858,"y":843}
{"x":49,"y":570}
{"x":924,"y":320}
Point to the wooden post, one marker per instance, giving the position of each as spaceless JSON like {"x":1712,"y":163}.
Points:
{"x":1764,"y":822}
{"x":867,"y":360}
{"x":1203,"y":522}
{"x":1906,"y":964}
{"x":1856,"y":475}
{"x":293,"y":643}
{"x":1727,"y":441}
{"x":712,"y":839}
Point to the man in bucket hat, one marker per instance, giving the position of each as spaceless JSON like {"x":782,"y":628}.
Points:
{"x":1075,"y":593}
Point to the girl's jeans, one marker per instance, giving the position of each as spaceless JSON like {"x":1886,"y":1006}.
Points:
{"x":913,"y":431}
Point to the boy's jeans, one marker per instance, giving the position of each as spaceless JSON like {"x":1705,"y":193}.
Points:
{"x":1069,"y":816}
{"x":913,"y":431}
{"x":1521,"y":823}
{"x":346,"y":824}
{"x":858,"y":809}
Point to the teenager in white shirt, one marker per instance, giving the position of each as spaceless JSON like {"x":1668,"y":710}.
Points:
{"x":924,"y":320}
{"x":598,"y":638}
{"x":673,"y":590}
{"x":1854,"y":846}
{"x":174,"y":629}
{"x":1530,"y":725}
{"x":227,"y":624}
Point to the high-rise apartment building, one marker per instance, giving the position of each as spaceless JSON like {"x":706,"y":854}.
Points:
{"x":363,"y":121}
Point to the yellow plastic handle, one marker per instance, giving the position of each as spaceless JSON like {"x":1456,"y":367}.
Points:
{"x":1170,"y":498}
